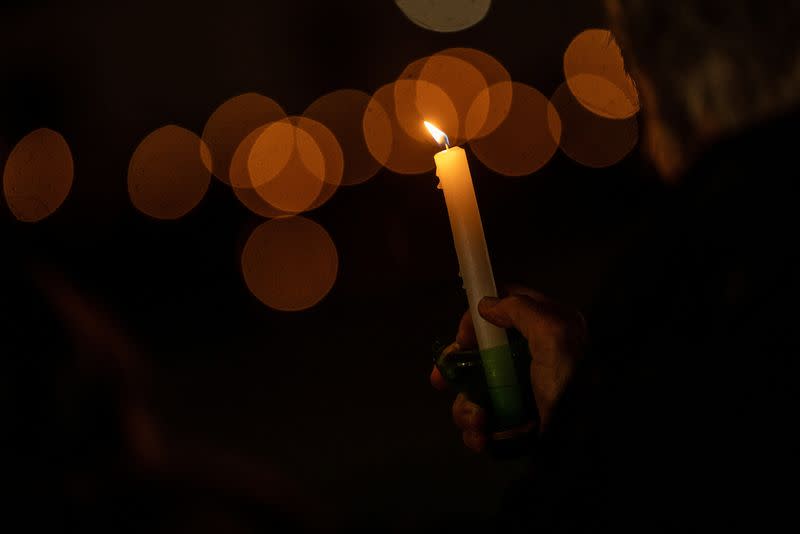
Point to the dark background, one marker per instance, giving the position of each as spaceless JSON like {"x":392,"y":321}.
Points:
{"x":334,"y":399}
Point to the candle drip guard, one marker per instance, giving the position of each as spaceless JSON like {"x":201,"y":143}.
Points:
{"x":464,"y":372}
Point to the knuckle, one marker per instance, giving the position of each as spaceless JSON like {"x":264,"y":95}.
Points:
{"x":473,"y":440}
{"x":457,"y":407}
{"x":460,"y":422}
{"x":476,"y":419}
{"x":516,"y":301}
{"x":467,"y":438}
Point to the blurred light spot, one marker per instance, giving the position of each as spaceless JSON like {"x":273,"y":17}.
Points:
{"x":290,"y":263}
{"x":167,"y":174}
{"x":38,"y":175}
{"x":294,"y":187}
{"x":331,"y":154}
{"x":413,"y":100}
{"x":242,"y":184}
{"x":378,"y":124}
{"x":413,"y":69}
{"x":491,"y":105}
{"x":418,"y":100}
{"x":397,"y":150}
{"x":444,"y":15}
{"x":489,"y":109}
{"x":590,"y":139}
{"x":254,"y":196}
{"x":231,"y":123}
{"x":405,"y":94}
{"x":526,"y":139}
{"x":276,"y":156}
{"x":461,"y":82}
{"x":595,"y":72}
{"x":276,"y":148}
{"x":250,"y":199}
{"x":342,"y":112}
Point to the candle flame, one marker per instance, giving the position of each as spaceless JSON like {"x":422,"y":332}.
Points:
{"x":438,"y":135}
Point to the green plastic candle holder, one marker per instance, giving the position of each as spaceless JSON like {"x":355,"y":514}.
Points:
{"x":464,"y":372}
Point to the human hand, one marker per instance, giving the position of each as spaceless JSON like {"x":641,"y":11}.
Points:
{"x":556,"y":337}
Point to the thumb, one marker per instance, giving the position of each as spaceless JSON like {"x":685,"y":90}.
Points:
{"x":532,"y":318}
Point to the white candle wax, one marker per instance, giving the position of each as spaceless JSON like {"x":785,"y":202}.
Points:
{"x":476,"y":272}
{"x":473,"y":255}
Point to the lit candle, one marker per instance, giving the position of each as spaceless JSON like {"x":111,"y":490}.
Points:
{"x":476,"y":273}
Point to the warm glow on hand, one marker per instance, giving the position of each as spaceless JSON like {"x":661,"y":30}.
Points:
{"x":438,"y":135}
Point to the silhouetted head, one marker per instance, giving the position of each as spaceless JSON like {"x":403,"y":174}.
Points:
{"x":707,"y":68}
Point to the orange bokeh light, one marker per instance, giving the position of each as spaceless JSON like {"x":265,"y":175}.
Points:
{"x":168,"y":173}
{"x":413,"y":69}
{"x":478,"y":86}
{"x":590,"y":139}
{"x":231,"y":122}
{"x":490,"y":106}
{"x":38,"y":175}
{"x":342,"y":112}
{"x":417,"y":100}
{"x":331,"y":153}
{"x":290,"y":263}
{"x":295,"y":186}
{"x":526,"y":139}
{"x":378,"y":124}
{"x":242,"y":184}
{"x":251,"y":200}
{"x":391,"y":144}
{"x":298,"y":163}
{"x":458,"y":80}
{"x":275,"y":144}
{"x":595,"y":72}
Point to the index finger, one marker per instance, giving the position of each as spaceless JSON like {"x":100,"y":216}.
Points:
{"x":466,"y":332}
{"x":437,"y":380}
